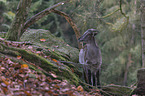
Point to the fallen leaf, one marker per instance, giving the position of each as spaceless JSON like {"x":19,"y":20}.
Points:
{"x":56,"y":46}
{"x":43,"y":40}
{"x":24,"y":66}
{"x":2,"y":38}
{"x":50,"y":92}
{"x":53,"y":75}
{"x":5,"y":90}
{"x":22,"y":75}
{"x":80,"y":88}
{"x":2,"y":68}
{"x":70,"y":93}
{"x":18,"y":57}
{"x":49,"y":79}
{"x":56,"y":86}
{"x":9,"y":61}
{"x":4,"y":80}
{"x":65,"y":90}
{"x":54,"y":60}
{"x":55,"y":94}
{"x":27,"y":93}
{"x":72,"y":70}
{"x":38,"y":52}
{"x":30,"y":47}
{"x":3,"y":85}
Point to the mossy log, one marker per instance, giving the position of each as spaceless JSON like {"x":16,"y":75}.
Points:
{"x":62,"y":72}
{"x":117,"y":90}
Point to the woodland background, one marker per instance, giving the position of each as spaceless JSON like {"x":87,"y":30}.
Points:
{"x":119,"y":38}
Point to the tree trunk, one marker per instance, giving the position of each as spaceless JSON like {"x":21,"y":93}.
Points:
{"x":18,"y":23}
{"x":126,"y":69}
{"x":143,"y":31}
{"x":140,"y":90}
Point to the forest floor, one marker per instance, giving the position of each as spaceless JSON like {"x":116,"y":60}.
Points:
{"x":19,"y":79}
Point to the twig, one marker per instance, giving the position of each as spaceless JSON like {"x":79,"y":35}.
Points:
{"x":69,"y":20}
{"x":122,"y":11}
{"x":95,"y":88}
{"x":110,"y":14}
{"x":72,"y":63}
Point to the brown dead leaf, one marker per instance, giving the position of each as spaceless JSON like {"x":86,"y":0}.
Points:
{"x":57,"y":81}
{"x":2,"y":68}
{"x":30,"y":47}
{"x":38,"y":52}
{"x":21,"y":71}
{"x":65,"y":90}
{"x":24,"y":66}
{"x":7,"y":83}
{"x":5,"y":90}
{"x":49,"y":92}
{"x":49,"y":79}
{"x":72,"y":70}
{"x":54,"y":60}
{"x":18,"y":57}
{"x":56,"y":86}
{"x":43,"y":40}
{"x":70,"y":93}
{"x":53,"y":75}
{"x":27,"y":93}
{"x":55,"y":94}
{"x":80,"y":88}
{"x":3,"y":85}
{"x":22,"y":75}
{"x":56,"y":46}
{"x":9,"y":61}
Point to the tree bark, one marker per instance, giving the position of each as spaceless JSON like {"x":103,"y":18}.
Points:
{"x":140,"y":90}
{"x":18,"y":23}
{"x":126,"y":69}
{"x":143,"y":31}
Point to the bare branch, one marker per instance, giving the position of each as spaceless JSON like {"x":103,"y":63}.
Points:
{"x":110,"y":13}
{"x":47,"y":11}
{"x":122,"y":11}
{"x":39,"y":15}
{"x":69,"y":20}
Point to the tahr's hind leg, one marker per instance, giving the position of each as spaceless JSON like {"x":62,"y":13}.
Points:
{"x":98,"y":78}
{"x":92,"y":75}
{"x":95,"y":79}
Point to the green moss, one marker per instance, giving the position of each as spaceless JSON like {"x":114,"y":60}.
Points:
{"x":63,"y":71}
{"x":61,"y":49}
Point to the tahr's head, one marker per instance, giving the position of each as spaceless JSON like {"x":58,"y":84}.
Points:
{"x":88,"y":35}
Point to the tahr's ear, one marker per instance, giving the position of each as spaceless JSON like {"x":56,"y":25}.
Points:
{"x":95,"y":33}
